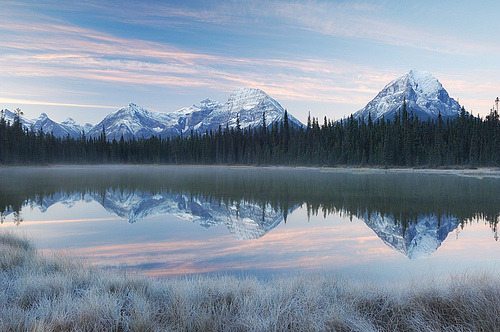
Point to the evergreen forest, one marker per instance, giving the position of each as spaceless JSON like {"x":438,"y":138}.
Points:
{"x":404,"y":141}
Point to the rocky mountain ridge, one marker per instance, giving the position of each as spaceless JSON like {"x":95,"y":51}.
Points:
{"x":245,"y":107}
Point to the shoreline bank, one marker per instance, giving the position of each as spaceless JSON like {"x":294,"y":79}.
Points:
{"x":461,"y":171}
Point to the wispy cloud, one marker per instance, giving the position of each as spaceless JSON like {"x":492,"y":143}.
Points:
{"x":37,"y":46}
{"x":46,"y":49}
{"x":476,"y":93}
{"x":358,"y":19}
{"x":45,"y":103}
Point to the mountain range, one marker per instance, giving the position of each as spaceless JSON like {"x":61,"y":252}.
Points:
{"x":244,"y":106}
{"x":424,"y":95}
{"x":43,"y":122}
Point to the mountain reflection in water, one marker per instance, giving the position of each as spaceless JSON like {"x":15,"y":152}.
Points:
{"x":412,"y":213}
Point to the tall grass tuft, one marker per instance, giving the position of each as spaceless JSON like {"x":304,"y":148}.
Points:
{"x":54,"y":294}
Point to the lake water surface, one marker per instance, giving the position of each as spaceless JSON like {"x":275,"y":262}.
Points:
{"x":170,"y":220}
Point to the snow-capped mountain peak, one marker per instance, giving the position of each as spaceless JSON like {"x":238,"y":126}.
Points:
{"x":131,"y":108}
{"x":47,"y":125}
{"x":247,"y":94}
{"x":9,"y":117}
{"x":208,"y":103}
{"x":424,"y":95}
{"x":248,"y":98}
{"x":66,"y":128}
{"x":248,"y":105}
{"x":131,"y":121}
{"x":69,"y":121}
{"x":424,"y":82}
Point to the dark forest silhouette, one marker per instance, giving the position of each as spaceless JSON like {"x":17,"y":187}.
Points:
{"x":404,"y":141}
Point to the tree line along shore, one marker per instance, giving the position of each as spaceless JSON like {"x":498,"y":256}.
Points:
{"x":404,"y":141}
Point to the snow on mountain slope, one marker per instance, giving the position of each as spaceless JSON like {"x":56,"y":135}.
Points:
{"x":63,"y":129}
{"x":43,"y":122}
{"x":424,"y":95}
{"x":247,"y":105}
{"x":9,"y":117}
{"x":73,"y":128}
{"x":87,"y":127}
{"x":191,"y":118}
{"x":131,"y":121}
{"x":135,"y":121}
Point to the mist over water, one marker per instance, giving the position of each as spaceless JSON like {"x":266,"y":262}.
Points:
{"x":173,"y":220}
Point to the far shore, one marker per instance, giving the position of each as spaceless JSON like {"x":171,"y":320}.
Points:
{"x":478,"y":172}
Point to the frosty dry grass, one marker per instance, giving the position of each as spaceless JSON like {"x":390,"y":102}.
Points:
{"x":53,"y":294}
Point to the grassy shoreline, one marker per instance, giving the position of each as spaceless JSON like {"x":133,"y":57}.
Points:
{"x":40,"y":293}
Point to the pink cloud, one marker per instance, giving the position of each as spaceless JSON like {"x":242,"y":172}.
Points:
{"x":44,"y":47}
{"x":51,"y":49}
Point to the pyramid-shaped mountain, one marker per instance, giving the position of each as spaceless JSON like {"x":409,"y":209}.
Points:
{"x":424,"y":95}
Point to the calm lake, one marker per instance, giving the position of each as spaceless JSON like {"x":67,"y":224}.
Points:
{"x":378,"y":225}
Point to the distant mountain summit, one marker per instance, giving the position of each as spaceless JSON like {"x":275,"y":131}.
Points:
{"x":131,"y":121}
{"x":9,"y":117}
{"x":63,"y":129}
{"x":244,"y":105}
{"x":424,"y":95}
{"x":247,"y":105}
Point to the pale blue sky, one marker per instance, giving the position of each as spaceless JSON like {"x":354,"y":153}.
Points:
{"x":328,"y":57}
